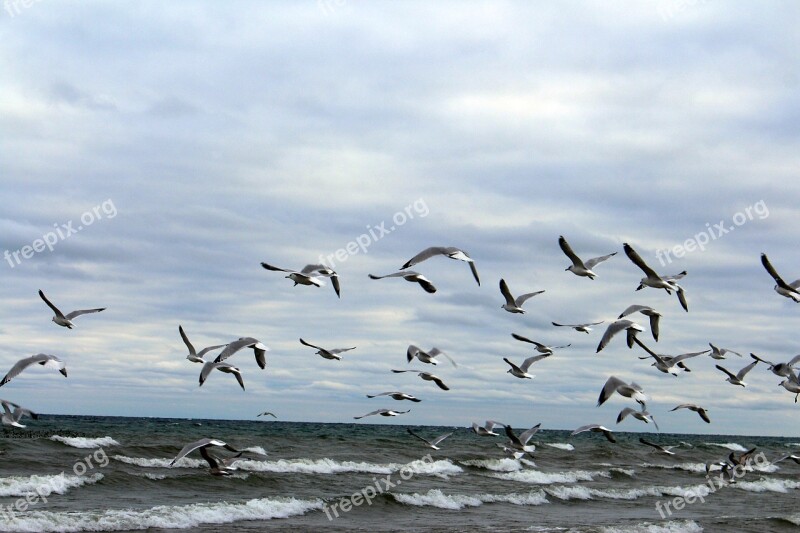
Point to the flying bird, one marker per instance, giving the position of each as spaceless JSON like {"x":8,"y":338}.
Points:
{"x":47,"y":361}
{"x":217,"y":467}
{"x":427,"y":376}
{"x":411,"y":276}
{"x":521,"y":371}
{"x":672,"y":278}
{"x":447,"y":251}
{"x":652,"y":279}
{"x":194,"y":356}
{"x":426,"y":357}
{"x":222,"y":366}
{"x":663,"y":449}
{"x":513,"y":305}
{"x":785,"y":370}
{"x":309,"y":275}
{"x":696,"y":408}
{"x":614,"y":384}
{"x":642,"y":415}
{"x":585,"y":328}
{"x":327,"y":354}
{"x":259,"y":350}
{"x":396,"y":395}
{"x":486,"y":429}
{"x":629,"y":326}
{"x":595,"y":428}
{"x":12,"y":418}
{"x":719,"y":353}
{"x":668,"y":364}
{"x":267,"y":413}
{"x":647,"y":311}
{"x":739,"y":377}
{"x":789,"y":290}
{"x":383,"y":412}
{"x":431,"y":444}
{"x":541,"y":348}
{"x":520,"y":444}
{"x":66,"y":320}
{"x":579,"y":267}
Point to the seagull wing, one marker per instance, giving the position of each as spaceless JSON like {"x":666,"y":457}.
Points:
{"x":525,"y":297}
{"x":567,"y":249}
{"x":594,"y":261}
{"x":743,"y":372}
{"x":427,"y":253}
{"x":772,"y":272}
{"x":426,"y":441}
{"x":73,"y":314}
{"x":731,"y":375}
{"x":506,"y":293}
{"x":186,"y":341}
{"x":610,"y":387}
{"x":440,"y":438}
{"x":50,"y":304}
{"x":638,"y":261}
{"x":526,"y":364}
{"x":274,"y":268}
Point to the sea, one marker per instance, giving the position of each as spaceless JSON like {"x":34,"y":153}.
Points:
{"x":94,"y":473}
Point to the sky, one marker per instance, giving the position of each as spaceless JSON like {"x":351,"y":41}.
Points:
{"x":164,"y":149}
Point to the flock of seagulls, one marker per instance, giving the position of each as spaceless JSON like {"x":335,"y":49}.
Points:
{"x":517,"y":445}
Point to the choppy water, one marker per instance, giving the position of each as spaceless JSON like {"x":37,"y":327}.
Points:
{"x":113,"y":474}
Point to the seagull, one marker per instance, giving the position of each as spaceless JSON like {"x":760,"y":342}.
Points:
{"x":520,"y":444}
{"x":642,"y":415}
{"x":578,"y":327}
{"x":521,"y":371}
{"x":789,"y":290}
{"x":578,"y":267}
{"x":791,"y":456}
{"x":222,"y":366}
{"x":696,"y":408}
{"x":719,"y":353}
{"x":48,"y":361}
{"x":426,"y":357}
{"x":672,"y":278}
{"x":309,"y":275}
{"x":614,"y":384}
{"x":427,"y":377}
{"x":383,"y":412}
{"x":410,"y":275}
{"x":513,"y":305}
{"x":541,"y":348}
{"x":11,"y":418}
{"x":781,"y":369}
{"x":449,"y":251}
{"x":652,"y":279}
{"x":666,"y":363}
{"x":267,"y":413}
{"x":259,"y":350}
{"x":647,"y":311}
{"x":196,"y":357}
{"x":737,"y":379}
{"x":66,"y":320}
{"x":328,"y":354}
{"x":663,"y":449}
{"x":218,"y":468}
{"x":396,"y":396}
{"x":630,"y":327}
{"x":596,"y":428}
{"x":434,"y":443}
{"x":486,"y":429}
{"x":792,"y":385}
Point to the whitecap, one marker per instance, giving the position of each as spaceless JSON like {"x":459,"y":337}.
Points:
{"x":44,"y":485}
{"x":85,"y":442}
{"x":437,"y":498}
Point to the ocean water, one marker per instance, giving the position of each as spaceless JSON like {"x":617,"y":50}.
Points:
{"x":83,"y":473}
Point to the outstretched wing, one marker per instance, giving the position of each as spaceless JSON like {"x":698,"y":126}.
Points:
{"x":50,"y":304}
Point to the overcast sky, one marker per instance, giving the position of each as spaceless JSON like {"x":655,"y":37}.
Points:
{"x":192,"y":140}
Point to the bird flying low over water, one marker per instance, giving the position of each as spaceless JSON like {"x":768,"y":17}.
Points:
{"x":789,"y":290}
{"x":48,"y":361}
{"x":194,"y":356}
{"x":486,"y":429}
{"x":328,"y":354}
{"x":12,"y":418}
{"x":696,"y":408}
{"x":219,"y":467}
{"x":514,"y":305}
{"x":309,"y":275}
{"x":659,"y":448}
{"x":431,"y":443}
{"x":66,"y":320}
{"x":652,"y":279}
{"x":642,"y":415}
{"x":595,"y":428}
{"x":427,"y":376}
{"x":267,"y":413}
{"x":383,"y":412}
{"x":410,"y":276}
{"x":579,"y":267}
{"x":447,"y":251}
{"x":222,"y":366}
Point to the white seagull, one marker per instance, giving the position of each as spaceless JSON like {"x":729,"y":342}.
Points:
{"x":642,"y":415}
{"x":696,"y":408}
{"x":47,"y":361}
{"x":629,"y":326}
{"x":585,"y":328}
{"x":486,"y":429}
{"x":521,"y":371}
{"x":668,"y":364}
{"x":431,"y":443}
{"x":520,"y":444}
{"x":789,"y":290}
{"x":792,"y":385}
{"x":259,"y":350}
{"x":541,"y":348}
{"x":513,"y":305}
{"x":218,"y":467}
{"x":739,"y":377}
{"x":11,"y":418}
{"x":785,"y":370}
{"x":647,"y":311}
{"x":267,"y":413}
{"x":652,"y":279}
{"x":719,"y":353}
{"x":411,"y":276}
{"x":66,"y":320}
{"x":614,"y":384}
{"x":309,"y":275}
{"x":578,"y":267}
{"x":663,"y":449}
{"x":383,"y":412}
{"x":222,"y":366}
{"x":426,"y":357}
{"x":194,"y":356}
{"x":427,"y":376}
{"x":396,"y":395}
{"x":596,"y":428}
{"x":448,"y":251}
{"x":328,"y":354}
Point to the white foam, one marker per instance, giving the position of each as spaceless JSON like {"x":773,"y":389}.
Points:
{"x":579,"y":492}
{"x":793,"y":519}
{"x":561,"y":446}
{"x":546,"y":478}
{"x":256,"y":449}
{"x":687,"y":467}
{"x":768,"y":485}
{"x":161,"y":517}
{"x":729,"y":445}
{"x":496,"y":465}
{"x":441,"y":469}
{"x":675,"y":526}
{"x":183,"y":462}
{"x":44,"y":485}
{"x":436,"y":498}
{"x":85,"y":442}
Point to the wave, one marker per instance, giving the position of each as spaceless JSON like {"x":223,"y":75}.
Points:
{"x":768,"y":485}
{"x":577,"y":492}
{"x":546,"y":478}
{"x":561,"y":446}
{"x":729,"y":445}
{"x":85,"y":442}
{"x":436,"y":498}
{"x":496,"y":465}
{"x":698,"y":468}
{"x":256,"y":449}
{"x":675,"y":526}
{"x":792,"y":519}
{"x":157,"y":462}
{"x":44,"y":485}
{"x":166,"y":517}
